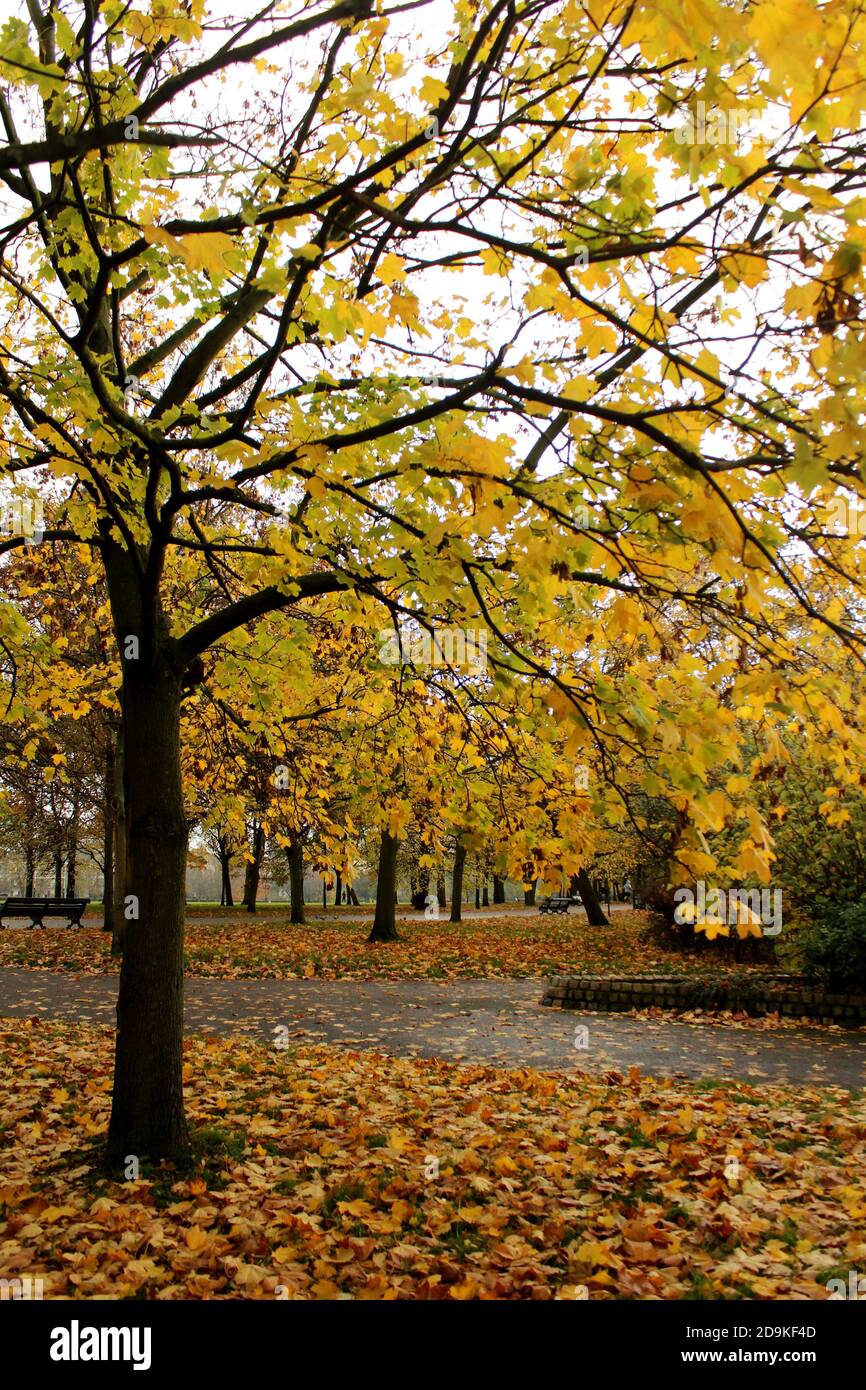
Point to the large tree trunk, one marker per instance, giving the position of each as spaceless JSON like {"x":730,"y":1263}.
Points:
{"x":582,"y":884}
{"x":253,"y":870}
{"x":498,"y":889}
{"x":147,"y":1114}
{"x":338,"y":890}
{"x":385,"y":920}
{"x":457,"y":881}
{"x":295,"y":856}
{"x":529,"y":894}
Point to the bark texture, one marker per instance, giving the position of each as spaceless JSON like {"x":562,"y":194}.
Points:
{"x":385,"y":920}
{"x":457,"y":881}
{"x":147,"y":1114}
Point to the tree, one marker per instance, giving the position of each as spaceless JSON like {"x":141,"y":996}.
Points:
{"x":215,"y":339}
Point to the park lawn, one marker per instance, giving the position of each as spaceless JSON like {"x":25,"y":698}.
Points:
{"x":329,"y":1174}
{"x":503,"y":947}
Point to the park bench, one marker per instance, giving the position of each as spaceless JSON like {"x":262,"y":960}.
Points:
{"x":37,"y":909}
{"x":555,"y":903}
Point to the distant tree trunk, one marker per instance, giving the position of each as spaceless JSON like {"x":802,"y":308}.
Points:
{"x":498,"y":889}
{"x":529,"y":894}
{"x":351,"y":896}
{"x":485,"y":896}
{"x":324,"y":891}
{"x":338,"y":890}
{"x":253,"y":871}
{"x":58,"y":872}
{"x":121,"y":844}
{"x":108,"y":834}
{"x":72,"y":852}
{"x":440,"y":888}
{"x":71,"y":867}
{"x":225,"y":857}
{"x":385,"y":920}
{"x":29,"y":870}
{"x":419,"y":882}
{"x":107,"y":880}
{"x":477,"y":897}
{"x":457,"y":881}
{"x":582,"y":885}
{"x":295,"y":856}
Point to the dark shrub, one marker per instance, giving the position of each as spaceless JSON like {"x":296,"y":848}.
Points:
{"x":834,"y":948}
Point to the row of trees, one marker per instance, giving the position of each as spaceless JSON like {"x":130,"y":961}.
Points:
{"x":335,"y":760}
{"x":346,"y":763}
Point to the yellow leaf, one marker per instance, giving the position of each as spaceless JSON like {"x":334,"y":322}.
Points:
{"x":325,"y":1289}
{"x":357,"y":1208}
{"x":54,"y":1213}
{"x":591,"y":1252}
{"x":200,"y":250}
{"x":467,"y":1289}
{"x":432,"y":91}
{"x":390,"y":268}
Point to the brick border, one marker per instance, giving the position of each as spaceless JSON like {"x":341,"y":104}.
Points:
{"x":757,"y":995}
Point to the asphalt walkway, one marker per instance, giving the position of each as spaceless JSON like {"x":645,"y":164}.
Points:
{"x":500,"y":1022}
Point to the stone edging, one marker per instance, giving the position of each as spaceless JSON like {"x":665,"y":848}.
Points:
{"x":782,"y":994}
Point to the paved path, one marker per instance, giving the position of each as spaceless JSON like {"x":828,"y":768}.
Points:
{"x":273,"y":911}
{"x":495,"y":1021}
{"x":334,"y":916}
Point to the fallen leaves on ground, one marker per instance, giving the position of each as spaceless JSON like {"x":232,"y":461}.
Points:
{"x":326,"y":1174}
{"x":506,"y":947}
{"x":730,"y":1018}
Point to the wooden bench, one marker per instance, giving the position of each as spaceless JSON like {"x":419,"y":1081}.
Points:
{"x":37,"y":909}
{"x":555,"y":904}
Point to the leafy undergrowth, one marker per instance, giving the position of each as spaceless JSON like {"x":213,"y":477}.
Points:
{"x":506,"y":947}
{"x":326,"y":1174}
